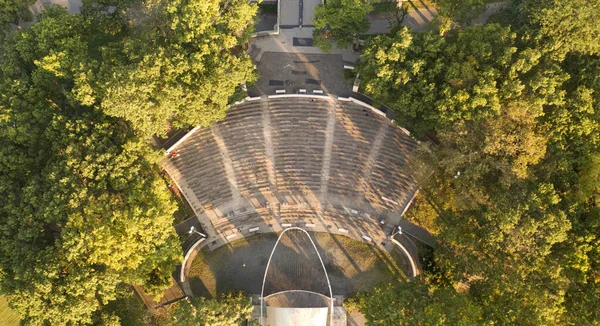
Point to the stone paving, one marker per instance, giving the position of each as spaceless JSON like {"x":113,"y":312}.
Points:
{"x":266,"y":22}
{"x":284,"y":42}
{"x":294,"y":71}
{"x":289,"y":12}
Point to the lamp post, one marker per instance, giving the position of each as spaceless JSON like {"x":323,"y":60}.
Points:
{"x":193,"y":230}
{"x":397,"y":230}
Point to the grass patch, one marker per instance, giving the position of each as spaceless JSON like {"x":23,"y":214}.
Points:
{"x":270,"y":8}
{"x":8,"y":317}
{"x":351,"y":265}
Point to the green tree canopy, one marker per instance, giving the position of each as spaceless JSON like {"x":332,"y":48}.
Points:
{"x":461,"y":12}
{"x":563,"y":26}
{"x":180,"y":65}
{"x":81,"y":207}
{"x":12,"y":11}
{"x":412,"y":303}
{"x":229,"y":309}
{"x":510,"y":181}
{"x":340,"y":20}
{"x":436,"y":82}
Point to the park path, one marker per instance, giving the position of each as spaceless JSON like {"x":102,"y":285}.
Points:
{"x":418,"y":19}
{"x":73,"y":6}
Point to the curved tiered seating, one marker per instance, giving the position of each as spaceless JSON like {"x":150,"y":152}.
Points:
{"x":388,"y":173}
{"x":298,"y":133}
{"x":265,"y":149}
{"x":242,"y":134}
{"x":200,"y":166}
{"x":355,"y":131}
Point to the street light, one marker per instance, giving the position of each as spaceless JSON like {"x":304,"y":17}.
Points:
{"x":193,"y":230}
{"x":397,"y":230}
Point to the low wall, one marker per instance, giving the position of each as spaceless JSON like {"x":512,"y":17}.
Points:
{"x":413,"y":264}
{"x":266,"y":33}
{"x":188,"y":259}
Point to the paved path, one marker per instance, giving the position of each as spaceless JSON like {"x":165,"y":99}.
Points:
{"x":330,"y":129}
{"x":418,"y":19}
{"x":284,"y":42}
{"x":270,"y":163}
{"x":373,"y":155}
{"x":381,"y":23}
{"x":228,"y":164}
{"x":356,"y":319}
{"x":74,"y":6}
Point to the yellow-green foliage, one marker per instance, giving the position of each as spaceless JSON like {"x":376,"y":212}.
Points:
{"x":181,"y":66}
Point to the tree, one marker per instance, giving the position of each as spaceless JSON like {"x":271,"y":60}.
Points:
{"x":229,"y":309}
{"x":563,"y":26}
{"x":128,"y":309}
{"x":180,"y":66}
{"x":510,"y":182}
{"x":412,"y":303}
{"x":436,"y":82}
{"x":461,"y":12}
{"x":13,"y":11}
{"x":81,"y":207}
{"x":342,"y":20}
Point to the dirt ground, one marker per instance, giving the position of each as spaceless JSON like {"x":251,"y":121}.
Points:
{"x":350,"y":264}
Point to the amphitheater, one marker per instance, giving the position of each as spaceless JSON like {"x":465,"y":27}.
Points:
{"x":326,"y":164}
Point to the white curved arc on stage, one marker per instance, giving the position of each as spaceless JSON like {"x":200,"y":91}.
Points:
{"x":289,"y":291}
{"x":262,"y":292}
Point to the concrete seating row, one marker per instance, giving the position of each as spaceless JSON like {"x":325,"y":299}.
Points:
{"x":298,"y":133}
{"x":300,"y":158}
{"x":200,"y":164}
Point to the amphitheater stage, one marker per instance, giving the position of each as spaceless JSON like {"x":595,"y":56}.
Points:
{"x":351,"y":265}
{"x":297,"y":299}
{"x":277,"y":316}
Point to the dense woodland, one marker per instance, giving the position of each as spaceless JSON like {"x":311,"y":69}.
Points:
{"x":509,"y":167}
{"x":82,"y":208}
{"x":509,"y":163}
